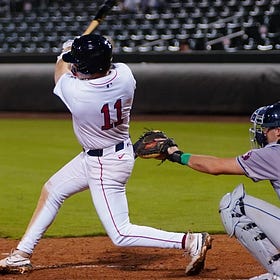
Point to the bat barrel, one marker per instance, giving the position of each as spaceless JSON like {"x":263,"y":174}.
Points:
{"x":101,"y":14}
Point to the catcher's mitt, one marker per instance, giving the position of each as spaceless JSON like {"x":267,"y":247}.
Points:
{"x":153,"y":144}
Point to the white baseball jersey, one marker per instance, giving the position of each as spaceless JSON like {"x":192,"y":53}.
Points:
{"x":100,"y":107}
{"x":263,"y":164}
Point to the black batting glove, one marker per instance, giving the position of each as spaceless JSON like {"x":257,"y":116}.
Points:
{"x":175,"y":157}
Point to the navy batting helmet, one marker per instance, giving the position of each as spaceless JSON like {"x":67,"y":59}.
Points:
{"x":264,"y":117}
{"x":90,"y":53}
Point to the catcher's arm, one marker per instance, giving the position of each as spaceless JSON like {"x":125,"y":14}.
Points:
{"x":205,"y":163}
{"x":155,"y":144}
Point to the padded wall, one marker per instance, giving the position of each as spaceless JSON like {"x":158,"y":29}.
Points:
{"x":162,"y":88}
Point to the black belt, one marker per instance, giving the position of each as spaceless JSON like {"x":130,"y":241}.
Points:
{"x":99,"y":152}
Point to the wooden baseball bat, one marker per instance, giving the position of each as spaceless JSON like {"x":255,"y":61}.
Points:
{"x":101,"y":14}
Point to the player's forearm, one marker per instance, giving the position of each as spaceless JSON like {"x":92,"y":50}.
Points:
{"x":216,"y":165}
{"x":61,"y":68}
{"x":207,"y":164}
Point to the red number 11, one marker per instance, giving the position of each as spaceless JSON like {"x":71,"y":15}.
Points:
{"x":107,"y":120}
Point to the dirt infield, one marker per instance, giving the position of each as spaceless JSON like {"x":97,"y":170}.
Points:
{"x":97,"y":258}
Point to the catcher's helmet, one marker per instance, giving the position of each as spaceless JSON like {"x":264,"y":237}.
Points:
{"x":90,"y":53}
{"x":264,"y":117}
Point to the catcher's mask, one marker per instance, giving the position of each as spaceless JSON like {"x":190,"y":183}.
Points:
{"x":263,"y":117}
{"x":90,"y":54}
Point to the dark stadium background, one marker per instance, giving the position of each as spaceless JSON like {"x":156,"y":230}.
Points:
{"x":196,"y":57}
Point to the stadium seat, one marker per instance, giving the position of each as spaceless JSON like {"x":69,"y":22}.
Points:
{"x":201,"y":25}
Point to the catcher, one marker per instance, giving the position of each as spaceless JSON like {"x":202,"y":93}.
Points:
{"x":254,"y":222}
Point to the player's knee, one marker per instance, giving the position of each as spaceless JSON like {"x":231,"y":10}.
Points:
{"x":121,"y":237}
{"x":53,"y":195}
{"x":119,"y":240}
{"x":231,"y":209}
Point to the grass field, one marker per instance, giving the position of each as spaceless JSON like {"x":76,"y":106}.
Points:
{"x":167,"y":196}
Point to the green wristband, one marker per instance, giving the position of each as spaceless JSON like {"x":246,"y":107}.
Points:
{"x":185,"y":158}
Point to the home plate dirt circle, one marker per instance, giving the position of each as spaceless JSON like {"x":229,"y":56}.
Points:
{"x":97,"y":258}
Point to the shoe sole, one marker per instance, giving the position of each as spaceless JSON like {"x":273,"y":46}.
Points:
{"x":16,"y":269}
{"x":197,"y":266}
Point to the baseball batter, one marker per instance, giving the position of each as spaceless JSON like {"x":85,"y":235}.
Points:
{"x":99,"y":94}
{"x":254,"y":222}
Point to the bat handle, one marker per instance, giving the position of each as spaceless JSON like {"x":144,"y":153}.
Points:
{"x":93,"y":25}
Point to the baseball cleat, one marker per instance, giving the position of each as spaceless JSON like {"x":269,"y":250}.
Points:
{"x":15,"y":264}
{"x":266,"y":276}
{"x":199,"y":247}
